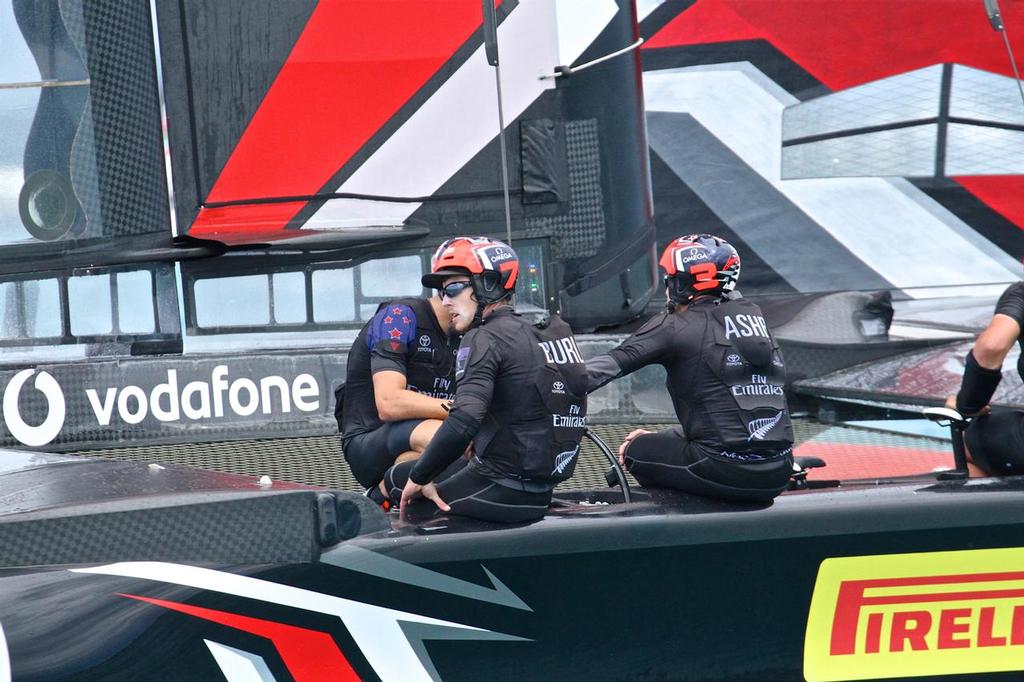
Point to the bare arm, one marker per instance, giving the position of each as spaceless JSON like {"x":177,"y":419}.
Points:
{"x":996,"y":341}
{"x":396,"y":402}
{"x":983,"y":366}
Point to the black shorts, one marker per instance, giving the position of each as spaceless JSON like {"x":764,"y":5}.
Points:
{"x":668,"y":459}
{"x":370,"y":454}
{"x":470,"y":494}
{"x":996,"y":442}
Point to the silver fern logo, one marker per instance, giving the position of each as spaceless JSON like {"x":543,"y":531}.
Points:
{"x":759,"y":428}
{"x":563,"y":459}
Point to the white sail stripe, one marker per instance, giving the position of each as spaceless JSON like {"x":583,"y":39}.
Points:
{"x":450,"y":128}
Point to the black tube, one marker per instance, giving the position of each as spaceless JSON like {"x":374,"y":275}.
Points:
{"x":620,"y":475}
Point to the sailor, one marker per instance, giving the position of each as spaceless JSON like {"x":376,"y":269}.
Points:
{"x":520,"y":407}
{"x":994,"y":440}
{"x":399,"y":382}
{"x":725,"y":375}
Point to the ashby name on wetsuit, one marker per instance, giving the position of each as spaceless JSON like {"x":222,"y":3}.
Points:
{"x":725,"y":376}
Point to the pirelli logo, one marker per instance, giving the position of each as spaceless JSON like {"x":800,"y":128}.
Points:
{"x":911,"y":615}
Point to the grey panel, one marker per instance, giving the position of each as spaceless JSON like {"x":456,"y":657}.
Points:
{"x":980,"y":150}
{"x":908,"y":96}
{"x":985,"y":96}
{"x":900,"y":152}
{"x":972,"y":150}
{"x":788,"y":240}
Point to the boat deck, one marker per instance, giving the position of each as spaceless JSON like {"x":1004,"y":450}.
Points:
{"x":851,"y":451}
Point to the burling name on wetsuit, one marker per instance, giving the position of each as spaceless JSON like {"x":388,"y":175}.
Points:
{"x":758,"y":386}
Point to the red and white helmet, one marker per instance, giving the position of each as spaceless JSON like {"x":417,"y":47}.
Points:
{"x":492,"y":266}
{"x":699,"y":265}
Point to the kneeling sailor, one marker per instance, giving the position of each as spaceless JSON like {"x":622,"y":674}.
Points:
{"x":520,"y":407}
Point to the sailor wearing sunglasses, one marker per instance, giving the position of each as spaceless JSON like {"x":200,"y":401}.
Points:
{"x":520,"y":406}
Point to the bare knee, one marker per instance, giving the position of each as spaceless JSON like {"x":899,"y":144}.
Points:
{"x":424,"y":432}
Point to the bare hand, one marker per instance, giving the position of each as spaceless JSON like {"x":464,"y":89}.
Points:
{"x":409,"y":493}
{"x":622,"y":448}
{"x":430,"y":492}
{"x":413,"y":490}
{"x":951,"y":404}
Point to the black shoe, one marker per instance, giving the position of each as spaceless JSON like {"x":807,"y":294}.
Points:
{"x":374,"y":493}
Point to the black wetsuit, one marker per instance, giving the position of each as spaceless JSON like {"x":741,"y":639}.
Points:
{"x":726,"y":377}
{"x":996,"y":440}
{"x":404,"y":336}
{"x":521,"y":402}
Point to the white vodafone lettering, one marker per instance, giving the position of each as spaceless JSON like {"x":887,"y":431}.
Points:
{"x":105,"y":410}
{"x":745,"y":325}
{"x":196,"y":388}
{"x":43,"y":433}
{"x":169,"y":390}
{"x":141,"y":406}
{"x":165,"y":402}
{"x":305,"y":387}
{"x":235,"y":397}
{"x":205,"y":399}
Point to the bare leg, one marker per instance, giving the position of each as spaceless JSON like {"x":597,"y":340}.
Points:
{"x":974,"y":471}
{"x":419,"y":439}
{"x":422,"y":435}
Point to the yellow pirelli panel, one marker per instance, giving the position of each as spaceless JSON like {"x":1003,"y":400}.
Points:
{"x":911,"y":615}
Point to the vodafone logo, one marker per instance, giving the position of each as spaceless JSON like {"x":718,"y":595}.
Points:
{"x":51,"y":426}
{"x":149,"y":399}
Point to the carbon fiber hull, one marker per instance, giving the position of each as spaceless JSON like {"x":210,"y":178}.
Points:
{"x":668,"y":587}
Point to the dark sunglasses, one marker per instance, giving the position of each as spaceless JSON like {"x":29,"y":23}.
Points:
{"x":452,"y":290}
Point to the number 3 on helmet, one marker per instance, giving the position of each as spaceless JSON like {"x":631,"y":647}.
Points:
{"x":699,"y":265}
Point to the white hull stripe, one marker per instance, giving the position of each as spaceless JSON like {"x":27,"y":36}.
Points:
{"x":376,"y":630}
{"x":5,"y":657}
{"x":239,"y":666}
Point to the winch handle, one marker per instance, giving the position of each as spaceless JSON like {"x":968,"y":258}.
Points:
{"x":615,"y":474}
{"x":957,"y":423}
